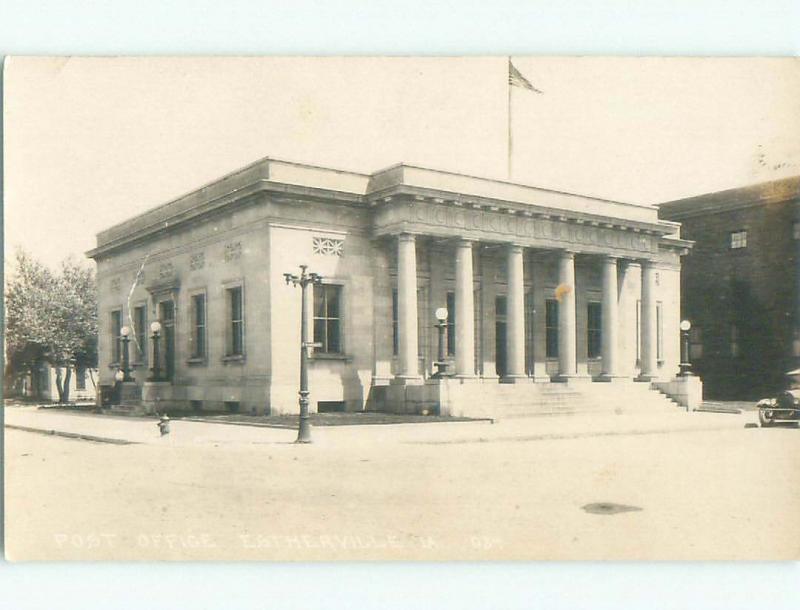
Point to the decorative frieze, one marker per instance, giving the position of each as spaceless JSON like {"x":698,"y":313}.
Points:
{"x":233,"y":251}
{"x":166,"y":270}
{"x":197,"y":261}
{"x":327,"y":246}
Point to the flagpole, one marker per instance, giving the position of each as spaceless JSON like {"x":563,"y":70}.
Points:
{"x":510,"y":141}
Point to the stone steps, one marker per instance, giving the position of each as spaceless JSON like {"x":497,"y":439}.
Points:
{"x":525,"y":400}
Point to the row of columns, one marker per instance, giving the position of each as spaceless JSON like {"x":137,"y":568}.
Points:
{"x":515,"y":316}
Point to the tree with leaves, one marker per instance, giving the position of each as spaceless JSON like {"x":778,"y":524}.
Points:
{"x":52,"y":317}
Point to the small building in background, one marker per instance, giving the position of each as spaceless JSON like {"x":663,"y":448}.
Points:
{"x":740,"y":285}
{"x":39,"y":383}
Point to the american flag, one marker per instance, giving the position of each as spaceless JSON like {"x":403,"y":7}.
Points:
{"x":515,"y":79}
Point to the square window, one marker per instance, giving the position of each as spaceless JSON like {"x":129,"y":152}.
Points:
{"x":738,"y":239}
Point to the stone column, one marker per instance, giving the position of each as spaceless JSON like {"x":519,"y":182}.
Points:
{"x":515,"y":315}
{"x":610,"y":319}
{"x":408,"y":348}
{"x":465,"y":311}
{"x":567,"y":362}
{"x":648,"y":332}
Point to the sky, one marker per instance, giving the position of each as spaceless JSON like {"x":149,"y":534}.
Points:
{"x":90,"y":142}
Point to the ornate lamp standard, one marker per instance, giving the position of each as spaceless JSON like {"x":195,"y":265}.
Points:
{"x":303,"y":280}
{"x":126,"y":339}
{"x":685,"y":365}
{"x":441,"y":364}
{"x":155,"y":328}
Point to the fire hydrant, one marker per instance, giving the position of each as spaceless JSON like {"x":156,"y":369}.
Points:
{"x":163,"y":425}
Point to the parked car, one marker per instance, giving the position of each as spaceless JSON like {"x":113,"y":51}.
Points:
{"x":783,"y":408}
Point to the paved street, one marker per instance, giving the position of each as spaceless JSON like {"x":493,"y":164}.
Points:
{"x":691,"y":485}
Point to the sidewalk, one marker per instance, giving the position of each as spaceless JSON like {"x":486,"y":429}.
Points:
{"x":187,"y":433}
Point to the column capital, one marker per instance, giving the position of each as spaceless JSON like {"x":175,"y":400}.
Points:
{"x":566,"y":253}
{"x":406,"y":237}
{"x":611,"y":258}
{"x":464,"y":242}
{"x":515,"y":247}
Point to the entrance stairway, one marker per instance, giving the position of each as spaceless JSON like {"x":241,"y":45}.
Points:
{"x":499,"y":400}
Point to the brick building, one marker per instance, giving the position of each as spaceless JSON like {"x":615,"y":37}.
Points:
{"x":539,"y":286}
{"x":741,"y":285}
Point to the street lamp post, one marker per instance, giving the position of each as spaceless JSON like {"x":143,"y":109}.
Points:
{"x":685,"y":365}
{"x":126,"y":369}
{"x":441,"y":326}
{"x":155,"y":328}
{"x":303,"y":280}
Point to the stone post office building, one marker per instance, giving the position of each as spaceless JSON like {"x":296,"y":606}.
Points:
{"x":549,"y":294}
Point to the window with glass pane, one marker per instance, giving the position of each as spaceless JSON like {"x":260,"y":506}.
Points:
{"x":116,"y":335}
{"x":199,"y":326}
{"x":594,"y":331}
{"x":140,"y":322}
{"x":327,"y":318}
{"x":235,"y":308}
{"x":451,"y":323}
{"x":551,"y":327}
{"x":738,"y":239}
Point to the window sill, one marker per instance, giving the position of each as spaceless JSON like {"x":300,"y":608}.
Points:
{"x":114,"y":365}
{"x":139,"y":365}
{"x":319,"y":356}
{"x":233,"y":359}
{"x":197,"y":362}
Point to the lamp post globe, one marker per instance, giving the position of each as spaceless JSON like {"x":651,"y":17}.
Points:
{"x":155,"y":327}
{"x":119,"y":375}
{"x":441,"y":314}
{"x":685,"y":365}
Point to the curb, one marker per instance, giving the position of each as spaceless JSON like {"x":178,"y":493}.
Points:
{"x":73,"y":435}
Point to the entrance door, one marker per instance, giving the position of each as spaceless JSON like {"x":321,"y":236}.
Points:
{"x":166,"y":315}
{"x":500,"y":304}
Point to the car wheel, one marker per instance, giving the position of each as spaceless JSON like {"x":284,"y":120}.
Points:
{"x":763,"y":420}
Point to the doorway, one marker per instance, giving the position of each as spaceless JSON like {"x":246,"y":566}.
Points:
{"x":166,"y":315}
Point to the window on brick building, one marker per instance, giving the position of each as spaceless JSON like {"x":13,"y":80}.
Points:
{"x":738,"y":239}
{"x":734,"y":340}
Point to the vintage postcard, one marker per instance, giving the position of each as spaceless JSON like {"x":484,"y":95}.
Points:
{"x":373,"y":308}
